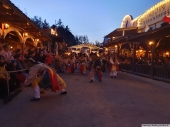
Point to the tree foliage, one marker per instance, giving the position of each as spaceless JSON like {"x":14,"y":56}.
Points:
{"x":62,"y":31}
{"x":82,"y":39}
{"x":39,"y":22}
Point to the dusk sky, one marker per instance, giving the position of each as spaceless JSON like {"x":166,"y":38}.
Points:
{"x":94,"y":18}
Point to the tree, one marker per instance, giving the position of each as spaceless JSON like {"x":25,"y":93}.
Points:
{"x":67,"y":29}
{"x":38,"y":21}
{"x":59,"y":23}
{"x":97,"y":43}
{"x":45,"y":25}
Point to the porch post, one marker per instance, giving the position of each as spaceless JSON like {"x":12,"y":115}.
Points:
{"x":118,"y":49}
{"x":134,"y":56}
{"x":152,"y":47}
{"x":23,"y":42}
{"x":152,"y":60}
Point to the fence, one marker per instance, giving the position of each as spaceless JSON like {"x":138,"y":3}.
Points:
{"x":154,"y":72}
{"x":7,"y":74}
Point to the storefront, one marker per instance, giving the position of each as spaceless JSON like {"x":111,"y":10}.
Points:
{"x":150,"y":20}
{"x":146,"y":46}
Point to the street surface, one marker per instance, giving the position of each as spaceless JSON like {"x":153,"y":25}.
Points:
{"x":127,"y":101}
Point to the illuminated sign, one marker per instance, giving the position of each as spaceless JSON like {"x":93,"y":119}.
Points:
{"x":152,"y":17}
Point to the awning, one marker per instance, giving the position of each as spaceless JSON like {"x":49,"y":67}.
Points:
{"x":10,"y":14}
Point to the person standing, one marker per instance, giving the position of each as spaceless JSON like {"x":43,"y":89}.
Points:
{"x":49,"y":59}
{"x":6,"y":53}
{"x":83,"y":65}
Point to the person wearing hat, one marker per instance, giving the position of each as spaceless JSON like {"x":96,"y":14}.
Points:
{"x":6,"y":53}
{"x":43,"y":77}
{"x":18,"y":61}
{"x":41,"y":57}
{"x":13,"y":82}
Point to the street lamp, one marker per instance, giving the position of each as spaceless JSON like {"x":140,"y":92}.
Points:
{"x":6,"y":26}
{"x":151,"y":43}
{"x":25,"y":34}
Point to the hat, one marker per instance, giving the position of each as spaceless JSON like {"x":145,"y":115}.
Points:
{"x":41,"y":52}
{"x":13,"y":61}
{"x":32,"y":52}
{"x":17,"y":56}
{"x":5,"y":45}
{"x":2,"y":57}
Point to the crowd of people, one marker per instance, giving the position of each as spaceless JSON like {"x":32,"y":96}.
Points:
{"x":16,"y":70}
{"x":37,"y":66}
{"x":91,"y":65}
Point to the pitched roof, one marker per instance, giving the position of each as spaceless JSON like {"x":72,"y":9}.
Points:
{"x":11,"y":14}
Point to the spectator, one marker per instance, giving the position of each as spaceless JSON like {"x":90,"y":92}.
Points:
{"x":3,"y":78}
{"x":6,"y":53}
{"x":42,"y":57}
{"x":49,"y":59}
{"x":13,"y":82}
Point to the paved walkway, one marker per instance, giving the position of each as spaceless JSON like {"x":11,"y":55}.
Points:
{"x":127,"y":101}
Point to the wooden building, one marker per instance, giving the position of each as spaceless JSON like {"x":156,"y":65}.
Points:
{"x":146,"y":37}
{"x":18,"y":30}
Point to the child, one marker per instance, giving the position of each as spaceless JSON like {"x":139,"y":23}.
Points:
{"x":91,"y":75}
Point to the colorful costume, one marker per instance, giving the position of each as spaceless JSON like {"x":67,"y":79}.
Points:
{"x":83,"y":67}
{"x":113,"y":69}
{"x":98,"y":74}
{"x":44,"y":77}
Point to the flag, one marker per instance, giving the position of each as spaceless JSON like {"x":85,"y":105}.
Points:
{"x":166,"y":19}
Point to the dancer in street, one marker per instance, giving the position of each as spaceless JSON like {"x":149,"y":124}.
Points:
{"x":113,"y":69}
{"x":43,"y":77}
{"x":82,"y":65}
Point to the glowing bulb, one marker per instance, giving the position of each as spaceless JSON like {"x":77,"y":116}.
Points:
{"x":150,"y":43}
{"x":6,"y":26}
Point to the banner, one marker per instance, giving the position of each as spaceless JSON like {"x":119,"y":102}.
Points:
{"x":166,"y":19}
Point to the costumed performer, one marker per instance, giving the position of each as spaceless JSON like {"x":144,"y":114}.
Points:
{"x":113,"y":69}
{"x":43,"y":77}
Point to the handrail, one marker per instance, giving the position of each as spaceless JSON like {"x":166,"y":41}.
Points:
{"x":8,"y":76}
{"x":2,"y":72}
